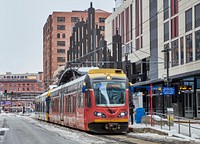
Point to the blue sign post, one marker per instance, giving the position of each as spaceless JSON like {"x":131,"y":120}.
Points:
{"x":168,"y":91}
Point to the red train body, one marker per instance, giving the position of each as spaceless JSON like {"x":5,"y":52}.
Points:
{"x":96,"y":102}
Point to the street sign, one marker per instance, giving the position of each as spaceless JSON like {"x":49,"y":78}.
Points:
{"x":168,"y":91}
{"x":5,"y":102}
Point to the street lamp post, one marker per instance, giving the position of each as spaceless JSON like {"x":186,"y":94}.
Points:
{"x":167,"y":50}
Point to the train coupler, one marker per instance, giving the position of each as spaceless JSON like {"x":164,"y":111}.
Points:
{"x":112,"y":126}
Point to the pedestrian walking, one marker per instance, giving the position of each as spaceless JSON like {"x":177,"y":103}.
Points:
{"x":131,"y":107}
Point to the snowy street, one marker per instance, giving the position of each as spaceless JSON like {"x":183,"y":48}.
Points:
{"x":23,"y":132}
{"x":26,"y":130}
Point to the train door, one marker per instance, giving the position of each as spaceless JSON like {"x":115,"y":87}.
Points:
{"x":198,"y":104}
{"x":88,"y":103}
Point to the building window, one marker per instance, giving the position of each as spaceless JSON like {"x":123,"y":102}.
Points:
{"x":137,"y":44}
{"x":189,"y":55}
{"x":166,"y":9}
{"x":197,"y":37}
{"x":60,"y":19}
{"x":102,"y":28}
{"x":60,"y":43}
{"x":60,"y":27}
{"x":166,"y":31}
{"x":102,"y":20}
{"x":197,"y":15}
{"x":174,"y":7}
{"x":60,"y":59}
{"x":188,"y":20}
{"x":74,"y":19}
{"x":174,"y":52}
{"x":60,"y":50}
{"x":182,"y":50}
{"x":174,"y":27}
{"x":58,"y":35}
{"x":63,"y":35}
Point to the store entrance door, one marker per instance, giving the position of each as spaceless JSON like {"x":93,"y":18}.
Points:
{"x":198,"y":104}
{"x":188,"y":100}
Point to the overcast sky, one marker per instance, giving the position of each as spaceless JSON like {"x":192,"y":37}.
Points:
{"x":21,"y":25}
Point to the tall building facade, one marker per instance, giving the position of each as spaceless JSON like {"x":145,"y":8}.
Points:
{"x":87,"y":42}
{"x":147,"y":30}
{"x":56,"y":38}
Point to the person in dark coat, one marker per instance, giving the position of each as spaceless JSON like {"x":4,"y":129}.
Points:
{"x":131,"y":107}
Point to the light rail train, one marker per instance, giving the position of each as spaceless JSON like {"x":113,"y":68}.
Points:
{"x":96,"y":101}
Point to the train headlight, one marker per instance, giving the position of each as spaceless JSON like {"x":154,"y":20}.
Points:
{"x":99,"y":114}
{"x":122,"y":114}
{"x":108,"y":77}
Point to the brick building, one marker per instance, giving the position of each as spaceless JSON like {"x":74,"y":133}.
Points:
{"x":56,"y":38}
{"x":19,"y":90}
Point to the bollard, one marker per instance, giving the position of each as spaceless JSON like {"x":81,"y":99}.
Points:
{"x":179,"y":126}
{"x":169,"y":122}
{"x":189,"y":129}
{"x":161,"y":122}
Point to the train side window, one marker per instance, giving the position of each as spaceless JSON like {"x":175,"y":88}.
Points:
{"x":88,"y":99}
{"x":80,"y":100}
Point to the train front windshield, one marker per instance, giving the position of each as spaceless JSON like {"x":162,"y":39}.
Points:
{"x":109,"y":93}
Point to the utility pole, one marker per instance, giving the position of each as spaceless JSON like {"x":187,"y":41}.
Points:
{"x":167,"y":67}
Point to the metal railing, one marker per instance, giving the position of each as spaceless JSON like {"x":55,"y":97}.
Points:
{"x":169,"y":122}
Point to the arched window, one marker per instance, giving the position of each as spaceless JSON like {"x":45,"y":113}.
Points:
{"x":63,"y":35}
{"x":58,"y":35}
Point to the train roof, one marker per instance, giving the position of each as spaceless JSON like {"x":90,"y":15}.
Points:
{"x":106,"y":71}
{"x":94,"y":73}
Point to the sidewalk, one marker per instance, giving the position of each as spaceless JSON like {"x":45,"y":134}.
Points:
{"x":184,"y":129}
{"x":2,"y":124}
{"x":161,"y":135}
